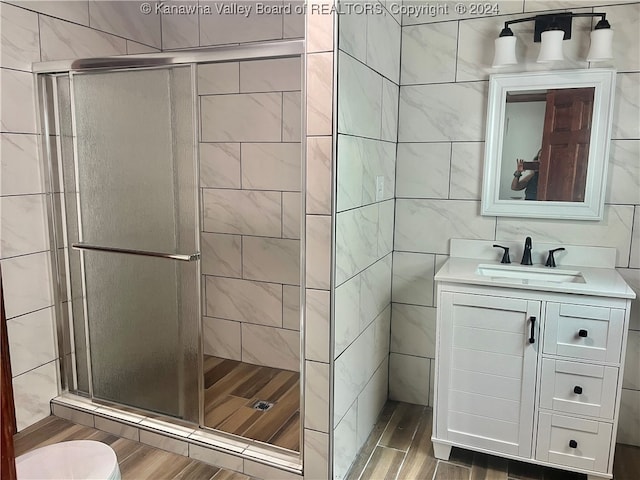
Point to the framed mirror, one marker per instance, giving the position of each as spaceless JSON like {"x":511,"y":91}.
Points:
{"x":547,"y":144}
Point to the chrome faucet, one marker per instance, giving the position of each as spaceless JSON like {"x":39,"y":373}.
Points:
{"x":526,"y":256}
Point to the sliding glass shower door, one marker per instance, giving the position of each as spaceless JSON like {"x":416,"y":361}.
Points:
{"x":137,"y":209}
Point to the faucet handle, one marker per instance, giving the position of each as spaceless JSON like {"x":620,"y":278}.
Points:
{"x":551,"y":261}
{"x":505,"y":256}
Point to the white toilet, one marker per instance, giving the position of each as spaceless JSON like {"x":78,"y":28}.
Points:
{"x":77,"y":459}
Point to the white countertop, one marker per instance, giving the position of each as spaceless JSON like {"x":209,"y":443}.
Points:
{"x":604,"y":282}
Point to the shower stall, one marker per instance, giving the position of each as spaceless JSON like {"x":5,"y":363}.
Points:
{"x":175,"y":222}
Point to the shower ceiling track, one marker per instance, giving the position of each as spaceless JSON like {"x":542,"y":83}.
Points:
{"x":252,"y":51}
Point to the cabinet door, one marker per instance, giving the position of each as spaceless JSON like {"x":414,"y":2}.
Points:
{"x":487,"y":372}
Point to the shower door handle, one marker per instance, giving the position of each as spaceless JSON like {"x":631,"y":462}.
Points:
{"x":184,"y":257}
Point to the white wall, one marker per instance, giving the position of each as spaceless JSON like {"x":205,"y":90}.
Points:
{"x":444,"y":82}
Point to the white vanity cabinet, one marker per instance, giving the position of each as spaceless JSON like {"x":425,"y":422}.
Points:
{"x":529,"y":373}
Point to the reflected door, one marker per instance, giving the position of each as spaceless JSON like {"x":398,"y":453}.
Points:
{"x":137,"y":206}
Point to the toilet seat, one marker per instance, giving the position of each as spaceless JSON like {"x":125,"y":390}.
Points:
{"x":73,"y":460}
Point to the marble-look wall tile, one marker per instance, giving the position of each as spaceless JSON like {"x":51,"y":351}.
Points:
{"x":169,"y":444}
{"x":429,"y":53}
{"x":319,"y":26}
{"x":409,"y":379}
{"x":244,"y":300}
{"x":317,"y":328}
{"x":632,"y":362}
{"x":632,"y":277}
{"x":126,"y":20}
{"x":626,"y":108}
{"x":20,"y":164}
{"x":413,"y":278}
{"x":375,"y":290}
{"x":318,"y":248}
{"x":360,"y":98}
{"x":423,"y":170}
{"x":356,"y":241}
{"x":181,"y":30}
{"x":291,"y":214}
{"x":24,"y":229}
{"x":32,"y":392}
{"x":445,"y":11}
{"x":352,"y":37}
{"x":466,"y":170}
{"x":271,"y":166}
{"x":442,"y":112}
{"x":280,"y":74}
{"x":291,"y":307}
{"x":213,"y":457}
{"x":293,"y":23}
{"x":221,"y":338}
{"x":254,"y":117}
{"x":347,"y":314}
{"x":224,"y":28}
{"x":242,"y":212}
{"x":415,"y":219}
{"x":316,"y":457}
{"x":27,"y":283}
{"x":274,"y":260}
{"x":316,"y":396}
{"x":220,"y":165}
{"x":371,"y":401}
{"x":389,"y":125}
{"x":17,"y":112}
{"x":634,"y":259}
{"x":319,"y":155}
{"x":291,"y":116}
{"x":274,"y":347}
{"x":134,"y":48}
{"x":20,"y":41}
{"x":218,"y":78}
{"x":379,"y":160}
{"x":350,"y":171}
{"x":383,"y":45}
{"x":613,"y":231}
{"x":76,"y":11}
{"x":623,"y":182}
{"x":386,"y":223}
{"x":32,"y":340}
{"x":413,"y":330}
{"x":63,"y":40}
{"x":320,"y":94}
{"x":629,"y":425}
{"x":345,"y":443}
{"x":221,"y":254}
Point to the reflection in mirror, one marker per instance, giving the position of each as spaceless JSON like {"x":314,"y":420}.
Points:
{"x":545,"y":151}
{"x":547,"y":144}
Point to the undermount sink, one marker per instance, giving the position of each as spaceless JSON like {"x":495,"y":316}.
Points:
{"x":527,"y":273}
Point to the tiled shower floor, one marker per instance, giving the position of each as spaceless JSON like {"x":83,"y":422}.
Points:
{"x":231,"y":390}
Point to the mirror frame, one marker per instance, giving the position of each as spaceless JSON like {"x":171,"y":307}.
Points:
{"x":596,"y":185}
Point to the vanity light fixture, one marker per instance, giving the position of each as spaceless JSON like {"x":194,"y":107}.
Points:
{"x":550,"y":30}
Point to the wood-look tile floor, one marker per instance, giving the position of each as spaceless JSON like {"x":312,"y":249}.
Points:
{"x":231,"y":390}
{"x":137,"y":461}
{"x":399,"y":448}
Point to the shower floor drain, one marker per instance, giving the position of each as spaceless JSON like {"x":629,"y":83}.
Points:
{"x":262,"y":405}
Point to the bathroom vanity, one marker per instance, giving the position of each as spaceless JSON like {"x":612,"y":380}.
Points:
{"x":529,"y":359}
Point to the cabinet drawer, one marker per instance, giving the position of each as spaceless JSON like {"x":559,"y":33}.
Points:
{"x":579,"y":388}
{"x":573,"y":442}
{"x":584,"y":332}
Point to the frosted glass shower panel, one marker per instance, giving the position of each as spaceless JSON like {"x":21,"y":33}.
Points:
{"x":136,"y":178}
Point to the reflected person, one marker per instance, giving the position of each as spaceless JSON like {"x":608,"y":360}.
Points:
{"x":526,"y":180}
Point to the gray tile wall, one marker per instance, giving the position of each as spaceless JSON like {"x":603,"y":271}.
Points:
{"x":444,"y":80}
{"x":368,"y":77}
{"x":251,"y":160}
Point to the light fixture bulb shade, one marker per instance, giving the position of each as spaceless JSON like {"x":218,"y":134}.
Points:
{"x":505,"y":52}
{"x":601,"y":45}
{"x":551,"y":46}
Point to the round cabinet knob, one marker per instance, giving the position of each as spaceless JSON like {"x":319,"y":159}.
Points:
{"x":577,"y":390}
{"x":573,"y":444}
{"x":583,"y":333}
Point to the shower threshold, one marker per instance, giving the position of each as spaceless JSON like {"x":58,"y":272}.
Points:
{"x":178,"y":437}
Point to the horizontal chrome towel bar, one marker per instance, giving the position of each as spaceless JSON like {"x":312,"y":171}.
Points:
{"x":173,"y":256}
